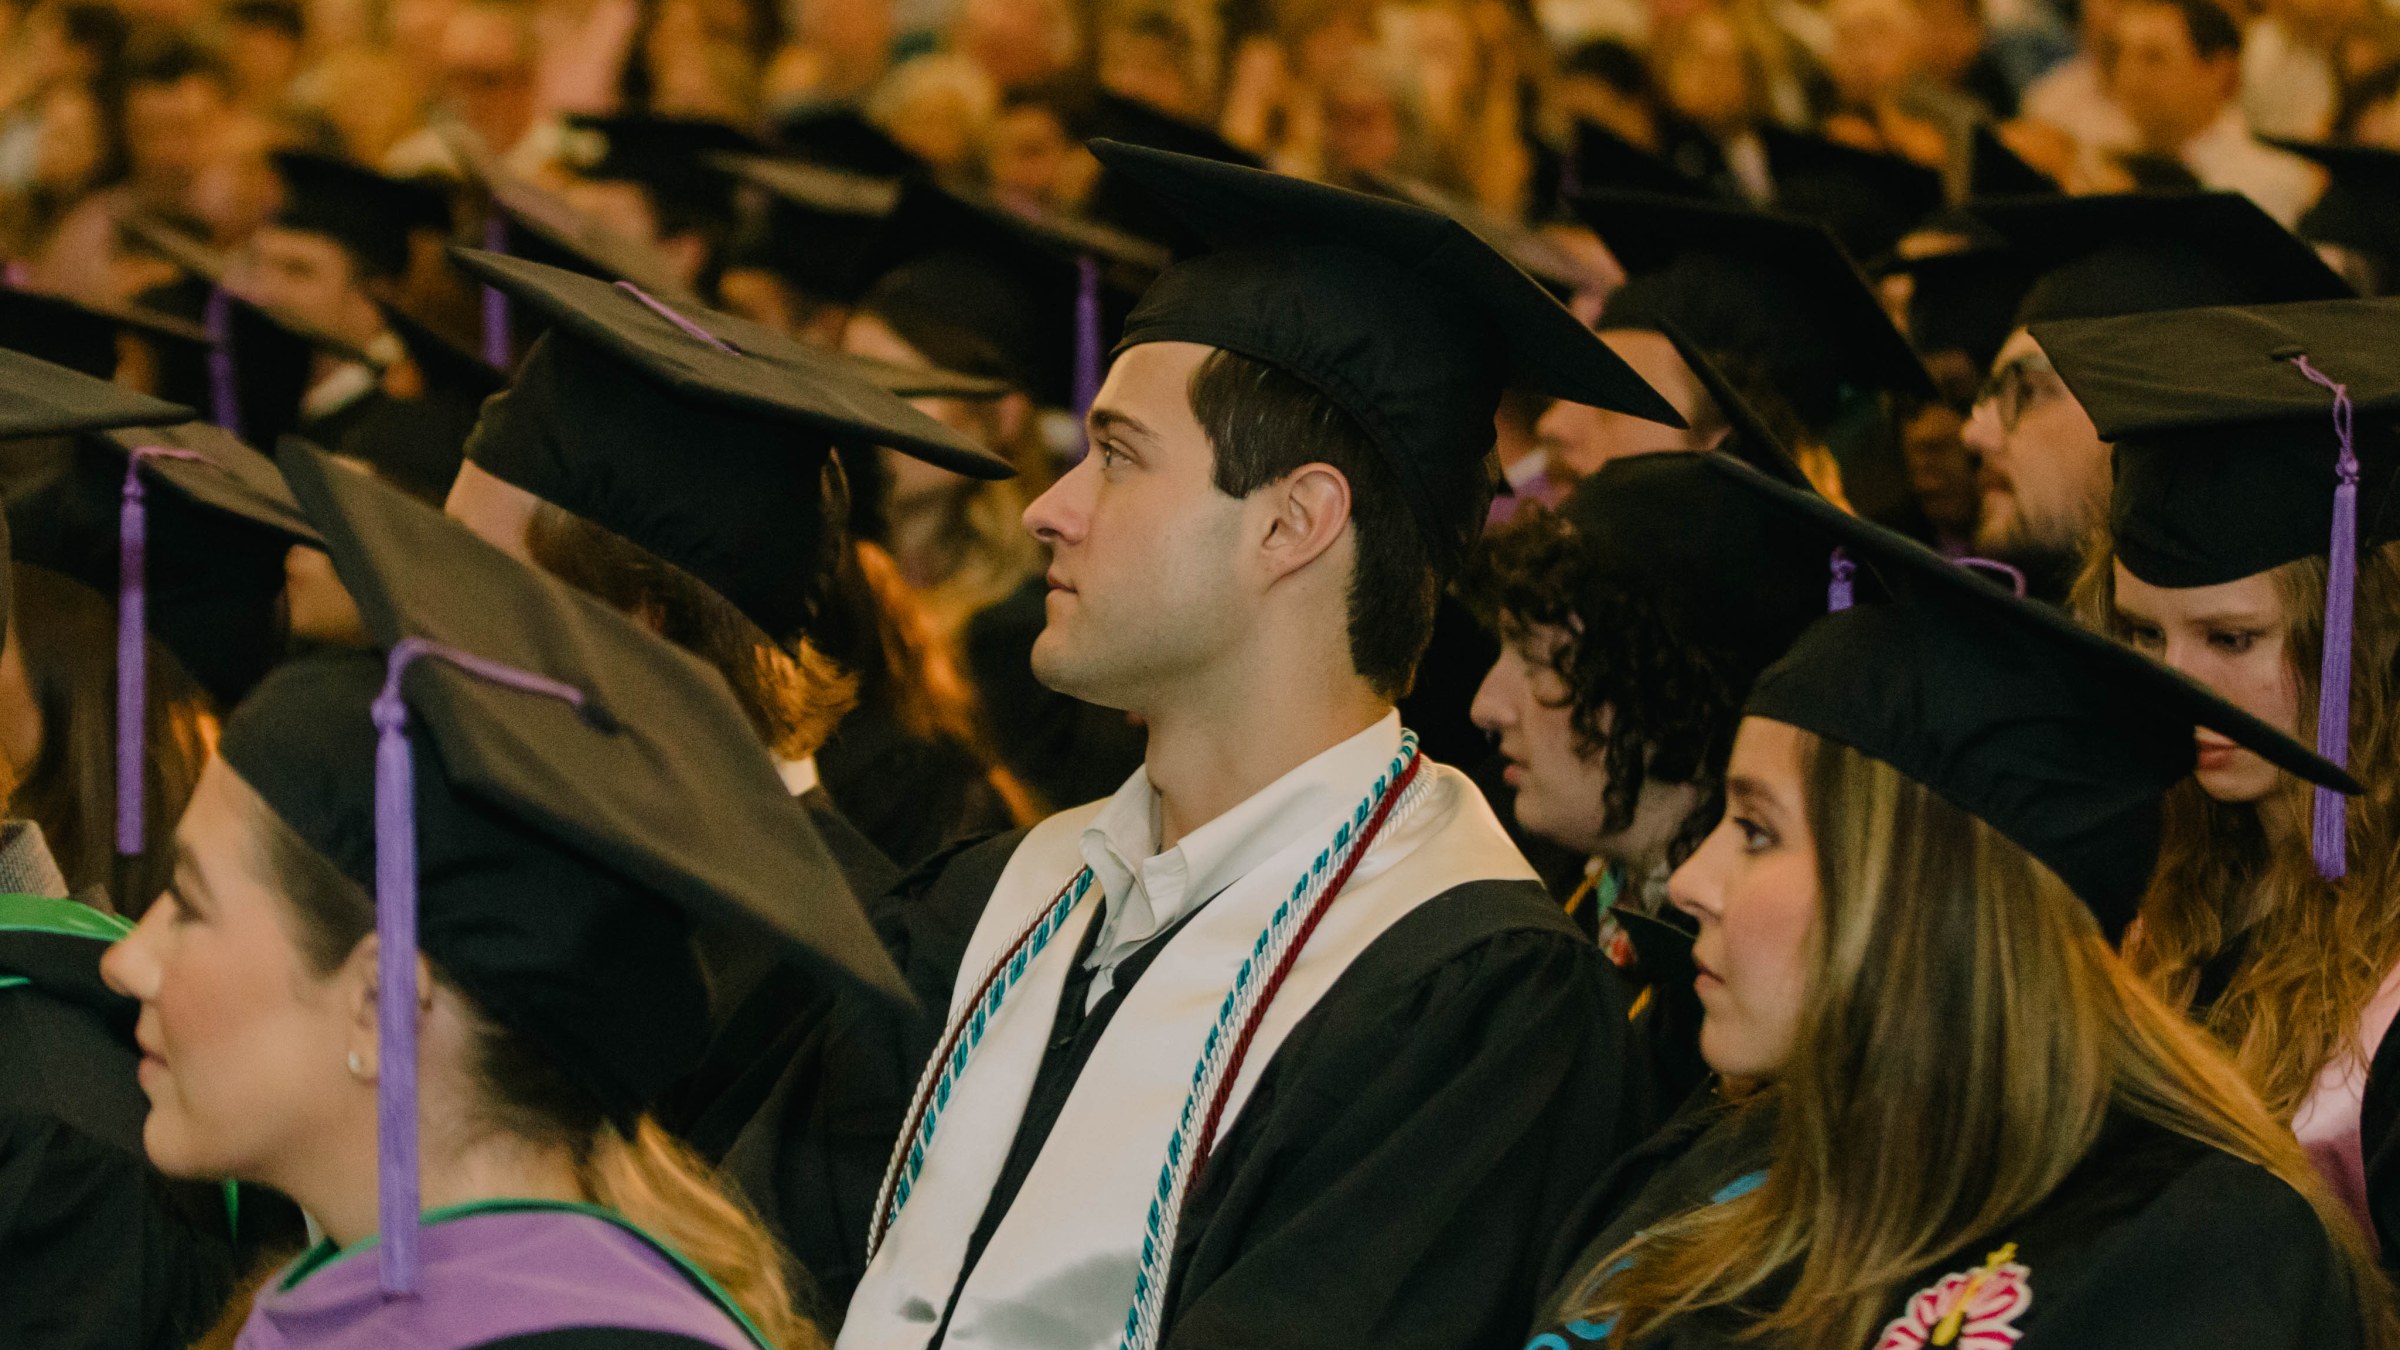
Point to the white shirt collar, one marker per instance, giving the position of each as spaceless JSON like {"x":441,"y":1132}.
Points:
{"x":799,"y":775}
{"x":1148,"y":891}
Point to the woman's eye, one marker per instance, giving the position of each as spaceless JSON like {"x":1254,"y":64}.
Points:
{"x":2233,"y":643}
{"x":2143,"y":636}
{"x":1756,"y":838}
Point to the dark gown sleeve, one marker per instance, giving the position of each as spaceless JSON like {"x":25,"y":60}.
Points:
{"x":2225,"y":1258}
{"x":1405,"y":1163}
{"x":2379,"y":1137}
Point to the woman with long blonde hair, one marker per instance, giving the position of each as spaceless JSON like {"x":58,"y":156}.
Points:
{"x":2275,"y":917}
{"x":1965,"y":1123}
{"x":429,"y":956}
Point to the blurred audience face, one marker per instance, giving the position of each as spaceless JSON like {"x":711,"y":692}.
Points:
{"x":169,"y":129}
{"x":1876,"y":48}
{"x":1027,"y":157}
{"x":1149,"y":62}
{"x":262,"y":59}
{"x":74,"y":141}
{"x":1578,"y":439}
{"x":2043,"y":471}
{"x":235,"y":188}
{"x":1018,"y":43}
{"x":1951,"y":36}
{"x":939,"y":107}
{"x":1365,"y":129}
{"x":311,"y":276}
{"x":484,"y":71}
{"x":1706,"y":74}
{"x":1941,"y":472}
{"x":2168,"y":89}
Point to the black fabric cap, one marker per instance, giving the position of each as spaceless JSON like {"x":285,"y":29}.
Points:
{"x":1770,"y":289}
{"x":710,"y":458}
{"x":540,"y":225}
{"x":2132,"y":253}
{"x":822,"y":226}
{"x":2360,"y":209}
{"x":1966,"y":300}
{"x":370,"y":214}
{"x":83,"y":336}
{"x":1994,"y":170}
{"x":1125,"y":206}
{"x":563,"y":857}
{"x":838,"y":136}
{"x":2057,"y":737}
{"x":218,"y":529}
{"x":1399,"y":315}
{"x":1869,"y":200}
{"x":2225,"y":451}
{"x":983,"y":290}
{"x":39,"y":398}
{"x":1605,"y":161}
{"x":1748,"y":438}
{"x":669,"y":157}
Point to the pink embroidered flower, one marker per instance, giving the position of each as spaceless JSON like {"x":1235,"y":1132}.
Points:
{"x":1995,"y":1295}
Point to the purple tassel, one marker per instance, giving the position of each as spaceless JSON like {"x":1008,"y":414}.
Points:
{"x":224,"y":400}
{"x":2015,"y":575}
{"x":1087,"y":334}
{"x":2329,"y":837}
{"x":495,"y":301}
{"x":690,"y":329}
{"x":1838,"y":592}
{"x":396,"y":1166}
{"x":133,"y":664}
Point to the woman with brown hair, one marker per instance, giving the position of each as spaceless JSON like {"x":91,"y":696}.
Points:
{"x":428,"y":957}
{"x":1966,"y":1124}
{"x":2273,"y":917}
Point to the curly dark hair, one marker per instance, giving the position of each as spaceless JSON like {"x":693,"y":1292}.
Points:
{"x":1648,"y":704}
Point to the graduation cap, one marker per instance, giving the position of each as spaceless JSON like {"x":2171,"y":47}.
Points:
{"x":822,"y":226}
{"x":698,"y":436}
{"x":1994,"y":170}
{"x":417,"y":438}
{"x":2240,"y":446}
{"x":1602,"y":160}
{"x":1965,"y":300}
{"x":1869,"y":200}
{"x":83,"y":336}
{"x":1116,"y":203}
{"x":984,"y":290}
{"x":369,"y":214}
{"x":1774,"y":290}
{"x":2360,"y":208}
{"x":1401,"y":316}
{"x":2132,"y":253}
{"x":39,"y":398}
{"x":2055,"y":736}
{"x":839,"y":136}
{"x":218,"y":533}
{"x":669,"y":157}
{"x":592,"y":793}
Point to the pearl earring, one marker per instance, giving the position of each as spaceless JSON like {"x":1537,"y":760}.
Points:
{"x":358,"y":1067}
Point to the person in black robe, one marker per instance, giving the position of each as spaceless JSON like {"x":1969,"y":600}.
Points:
{"x":1942,"y":809}
{"x":1448,"y":1045}
{"x":81,"y":1209}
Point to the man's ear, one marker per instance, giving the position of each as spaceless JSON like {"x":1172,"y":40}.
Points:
{"x":1312,"y":510}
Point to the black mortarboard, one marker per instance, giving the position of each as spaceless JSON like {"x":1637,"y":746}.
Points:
{"x":1994,"y":170}
{"x":698,"y":436}
{"x":1965,"y":300}
{"x":2240,"y":446}
{"x":2055,"y":736}
{"x":984,"y":290}
{"x":83,"y":336}
{"x":2225,"y":449}
{"x":1601,"y":160}
{"x":1772,"y":290}
{"x":370,"y":214}
{"x":838,"y":136}
{"x":822,"y":226}
{"x":2132,"y":253}
{"x":544,"y":798}
{"x":1869,"y":200}
{"x":669,"y":157}
{"x":40,"y":398}
{"x":1125,"y":207}
{"x":1748,"y":437}
{"x":1400,"y":316}
{"x":2360,"y":208}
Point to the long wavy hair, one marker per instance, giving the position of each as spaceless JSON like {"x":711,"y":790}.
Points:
{"x":2312,"y":952}
{"x":1964,"y":1012}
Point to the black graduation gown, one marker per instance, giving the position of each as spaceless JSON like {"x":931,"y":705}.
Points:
{"x":2379,"y":1139}
{"x":910,"y":794}
{"x":1407,"y":1155}
{"x":97,"y":1251}
{"x":2153,"y":1239}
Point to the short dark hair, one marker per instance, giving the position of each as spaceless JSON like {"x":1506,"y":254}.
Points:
{"x":281,"y":17}
{"x":171,"y":58}
{"x":1265,"y":423}
{"x":1643,"y":701}
{"x":2213,"y":31}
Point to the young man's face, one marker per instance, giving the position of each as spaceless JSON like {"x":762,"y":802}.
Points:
{"x":2169,"y":91}
{"x":2044,"y":470}
{"x":1148,"y":586}
{"x":314,"y":278}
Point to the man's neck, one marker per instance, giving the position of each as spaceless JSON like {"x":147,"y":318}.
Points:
{"x":1209,"y":756}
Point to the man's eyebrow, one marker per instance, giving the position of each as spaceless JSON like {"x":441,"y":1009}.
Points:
{"x":1121,"y":424}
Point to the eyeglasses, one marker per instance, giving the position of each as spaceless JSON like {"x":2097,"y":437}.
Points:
{"x":2011,"y":388}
